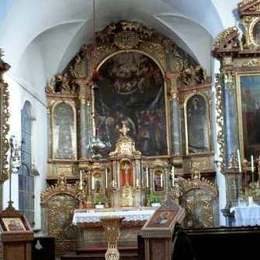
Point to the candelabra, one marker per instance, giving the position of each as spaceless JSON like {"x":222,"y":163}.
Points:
{"x":14,"y":164}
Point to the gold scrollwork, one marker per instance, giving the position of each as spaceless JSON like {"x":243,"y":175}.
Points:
{"x":4,"y":126}
{"x":59,"y":202}
{"x":204,"y":200}
{"x":229,"y":80}
{"x":220,"y":123}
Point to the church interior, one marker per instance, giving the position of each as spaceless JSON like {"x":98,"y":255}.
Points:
{"x":128,"y":129}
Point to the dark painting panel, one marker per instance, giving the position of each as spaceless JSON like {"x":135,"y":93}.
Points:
{"x":197,"y":124}
{"x":250,"y":95}
{"x":131,"y":89}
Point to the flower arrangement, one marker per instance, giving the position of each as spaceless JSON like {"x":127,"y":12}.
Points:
{"x":153,"y":198}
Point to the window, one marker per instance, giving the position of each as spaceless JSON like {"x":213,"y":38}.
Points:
{"x":26,"y":180}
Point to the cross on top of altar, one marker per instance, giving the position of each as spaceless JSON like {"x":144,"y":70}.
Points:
{"x":125,"y":145}
{"x":124,"y":130}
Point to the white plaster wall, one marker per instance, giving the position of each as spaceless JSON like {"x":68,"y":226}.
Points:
{"x":18,"y":95}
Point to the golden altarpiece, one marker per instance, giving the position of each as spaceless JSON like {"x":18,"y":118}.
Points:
{"x":129,"y":123}
{"x":238,"y":96}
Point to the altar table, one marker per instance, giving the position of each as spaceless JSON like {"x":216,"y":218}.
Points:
{"x":92,"y":232}
{"x":247,"y":215}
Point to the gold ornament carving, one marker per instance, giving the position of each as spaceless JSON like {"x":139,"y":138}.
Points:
{"x":229,"y":80}
{"x":61,"y":84}
{"x":247,"y":7}
{"x":224,"y":36}
{"x":62,"y":187}
{"x":192,"y":75}
{"x":197,"y":197}
{"x":126,"y":40}
{"x":59,"y":202}
{"x":251,"y":63}
{"x":125,"y":145}
{"x":220,"y":123}
{"x":4,"y":126}
{"x":226,"y":42}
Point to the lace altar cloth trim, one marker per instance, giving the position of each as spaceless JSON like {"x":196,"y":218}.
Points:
{"x":93,"y":216}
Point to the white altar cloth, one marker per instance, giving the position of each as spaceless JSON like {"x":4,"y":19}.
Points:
{"x":94,"y":215}
{"x":247,"y":215}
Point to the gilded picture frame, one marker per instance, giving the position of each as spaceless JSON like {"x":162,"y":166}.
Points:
{"x":54,"y":136}
{"x":254,"y":32}
{"x":248,"y":100}
{"x":4,"y":126}
{"x":165,"y":90}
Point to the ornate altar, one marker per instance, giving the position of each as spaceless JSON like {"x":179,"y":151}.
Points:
{"x":238,"y":103}
{"x":126,"y":163}
{"x":127,"y":116}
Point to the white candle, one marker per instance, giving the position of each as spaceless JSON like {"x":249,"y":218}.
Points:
{"x":93,"y":182}
{"x":239,"y":161}
{"x":80,"y":180}
{"x":161,"y":180}
{"x":106,"y":178}
{"x":250,"y":201}
{"x":173,"y":176}
{"x":147,"y":178}
{"x":137,"y":182}
{"x":252,"y":164}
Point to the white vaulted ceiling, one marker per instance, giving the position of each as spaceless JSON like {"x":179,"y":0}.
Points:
{"x":39,"y":37}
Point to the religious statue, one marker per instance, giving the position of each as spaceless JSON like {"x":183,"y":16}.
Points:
{"x":126,"y":174}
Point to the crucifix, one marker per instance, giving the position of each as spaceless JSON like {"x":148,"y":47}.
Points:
{"x":124,"y":130}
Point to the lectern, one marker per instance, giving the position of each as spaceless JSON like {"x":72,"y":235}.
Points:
{"x":158,"y":230}
{"x":15,"y":235}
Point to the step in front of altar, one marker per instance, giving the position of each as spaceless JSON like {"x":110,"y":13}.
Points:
{"x":98,"y":253}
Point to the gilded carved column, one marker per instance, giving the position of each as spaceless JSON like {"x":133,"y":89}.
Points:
{"x":230,"y":118}
{"x":49,"y":133}
{"x":175,"y":116}
{"x":85,"y":118}
{"x":233,"y":178}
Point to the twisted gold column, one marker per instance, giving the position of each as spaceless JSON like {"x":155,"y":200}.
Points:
{"x":111,"y":227}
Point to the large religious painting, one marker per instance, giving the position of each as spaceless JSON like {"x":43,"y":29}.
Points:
{"x":197,"y":125}
{"x":64,"y":132}
{"x":131,"y":89}
{"x":250,"y":106}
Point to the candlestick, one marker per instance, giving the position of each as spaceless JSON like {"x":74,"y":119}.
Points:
{"x":161,"y":180}
{"x":252,"y":167}
{"x":252,"y":164}
{"x":113,"y":184}
{"x":106,"y":178}
{"x":80,"y":180}
{"x":239,"y":161}
{"x":93,"y":182}
{"x":147,"y":178}
{"x":137,"y":182}
{"x":173,"y":176}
